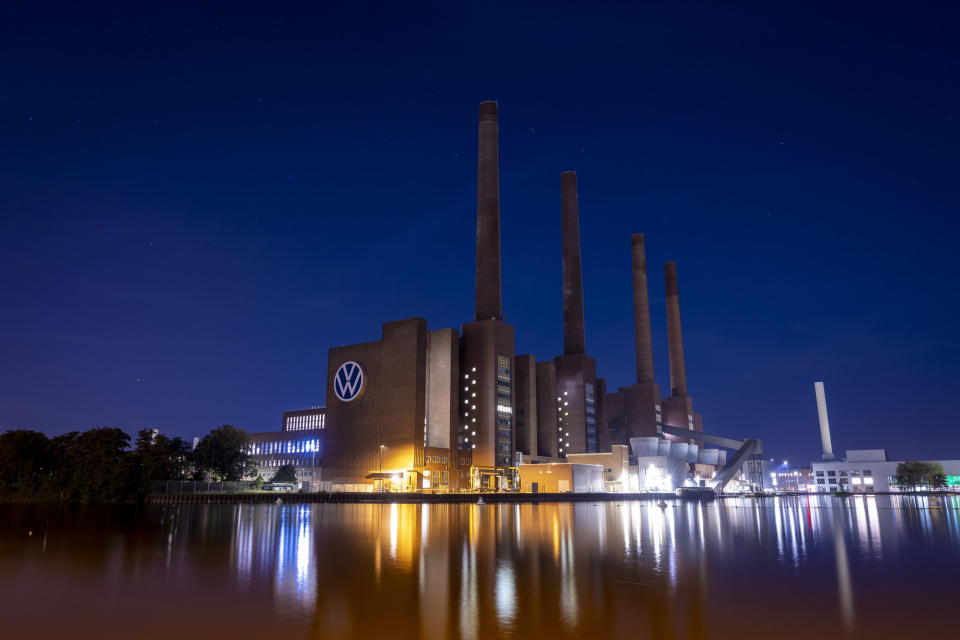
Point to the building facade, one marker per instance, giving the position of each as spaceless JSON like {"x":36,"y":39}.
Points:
{"x":304,"y":419}
{"x":301,"y":448}
{"x":865,"y":471}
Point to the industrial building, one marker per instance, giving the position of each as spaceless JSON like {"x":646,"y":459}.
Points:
{"x":424,"y":409}
{"x":448,"y":410}
{"x":301,"y":448}
{"x":869,"y":471}
{"x":862,"y":470}
{"x":638,"y":410}
{"x":560,"y":402}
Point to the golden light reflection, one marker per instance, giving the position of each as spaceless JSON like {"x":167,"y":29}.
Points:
{"x":468,"y":571}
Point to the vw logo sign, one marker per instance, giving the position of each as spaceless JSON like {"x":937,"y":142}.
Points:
{"x":349,"y":381}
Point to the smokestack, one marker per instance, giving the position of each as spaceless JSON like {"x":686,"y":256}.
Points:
{"x":824,"y":422}
{"x":488,"y":300}
{"x":641,"y":311}
{"x":574,"y":341}
{"x":678,"y":370}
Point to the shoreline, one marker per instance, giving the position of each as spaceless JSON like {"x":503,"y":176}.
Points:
{"x":459,"y":498}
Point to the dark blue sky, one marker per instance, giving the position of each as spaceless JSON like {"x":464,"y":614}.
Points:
{"x":196,"y":203}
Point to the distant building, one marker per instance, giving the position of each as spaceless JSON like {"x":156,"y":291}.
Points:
{"x":304,"y":419}
{"x":865,"y":471}
{"x":302,"y":448}
{"x":791,"y":479}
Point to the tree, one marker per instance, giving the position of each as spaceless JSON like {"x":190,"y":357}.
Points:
{"x":158,"y":458}
{"x":913,"y":473}
{"x":27,"y":464}
{"x":224,"y":453}
{"x":909,"y":474}
{"x":94,"y":466}
{"x":286,"y":473}
{"x":935,"y":476}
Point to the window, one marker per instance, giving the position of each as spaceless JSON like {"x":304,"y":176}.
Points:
{"x":867,"y":472}
{"x":821,"y":481}
{"x":831,"y":473}
{"x":819,"y":474}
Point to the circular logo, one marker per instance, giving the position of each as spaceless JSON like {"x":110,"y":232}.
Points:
{"x":349,"y":382}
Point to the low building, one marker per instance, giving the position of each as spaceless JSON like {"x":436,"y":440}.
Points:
{"x":865,"y":471}
{"x":302,"y":449}
{"x":615,"y":464}
{"x":561,"y":477}
{"x":792,"y":479}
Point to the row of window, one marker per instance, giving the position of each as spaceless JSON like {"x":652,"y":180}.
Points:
{"x":279,"y":462}
{"x":284,"y":446}
{"x":854,"y":472}
{"x":504,"y":443}
{"x":304,"y":422}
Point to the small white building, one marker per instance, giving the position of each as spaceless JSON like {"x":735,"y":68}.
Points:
{"x":865,"y":471}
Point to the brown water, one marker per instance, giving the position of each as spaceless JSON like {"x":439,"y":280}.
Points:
{"x":785,"y":568}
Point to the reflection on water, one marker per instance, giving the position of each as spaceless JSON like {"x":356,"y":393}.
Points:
{"x":691,"y":570}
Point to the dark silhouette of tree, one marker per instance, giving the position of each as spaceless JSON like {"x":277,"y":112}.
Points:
{"x":27,"y":464}
{"x":158,"y":458}
{"x":223,"y":452}
{"x":93,"y":466}
{"x":286,"y":473}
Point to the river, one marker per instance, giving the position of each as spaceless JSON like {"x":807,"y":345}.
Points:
{"x":817,"y":567}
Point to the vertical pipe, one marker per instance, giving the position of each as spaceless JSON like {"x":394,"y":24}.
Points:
{"x":678,"y":370}
{"x":641,"y":311}
{"x":824,"y":422}
{"x":574,"y":340}
{"x":488,"y":294}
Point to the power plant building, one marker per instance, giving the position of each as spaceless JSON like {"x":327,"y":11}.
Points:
{"x":447,"y":410}
{"x":422,"y":407}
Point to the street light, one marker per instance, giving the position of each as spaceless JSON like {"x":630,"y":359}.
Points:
{"x":381,"y":468}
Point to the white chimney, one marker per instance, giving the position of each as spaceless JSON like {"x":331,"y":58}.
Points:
{"x":824,"y":422}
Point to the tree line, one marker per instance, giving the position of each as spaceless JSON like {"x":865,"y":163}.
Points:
{"x":912,"y":474}
{"x":99,"y":465}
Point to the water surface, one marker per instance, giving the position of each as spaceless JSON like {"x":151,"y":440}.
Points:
{"x":873,"y":566}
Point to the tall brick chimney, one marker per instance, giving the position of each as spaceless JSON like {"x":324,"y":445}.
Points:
{"x":641,"y":311}
{"x":574,"y":340}
{"x":678,"y":370}
{"x":488,"y":294}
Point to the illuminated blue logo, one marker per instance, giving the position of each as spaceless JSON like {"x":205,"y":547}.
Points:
{"x":349,"y":382}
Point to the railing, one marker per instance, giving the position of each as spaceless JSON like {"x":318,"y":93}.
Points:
{"x":199,"y":486}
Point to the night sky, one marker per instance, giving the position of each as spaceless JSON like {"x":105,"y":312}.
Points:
{"x":196,"y":203}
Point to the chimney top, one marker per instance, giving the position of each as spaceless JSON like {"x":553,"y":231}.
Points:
{"x":488,"y":111}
